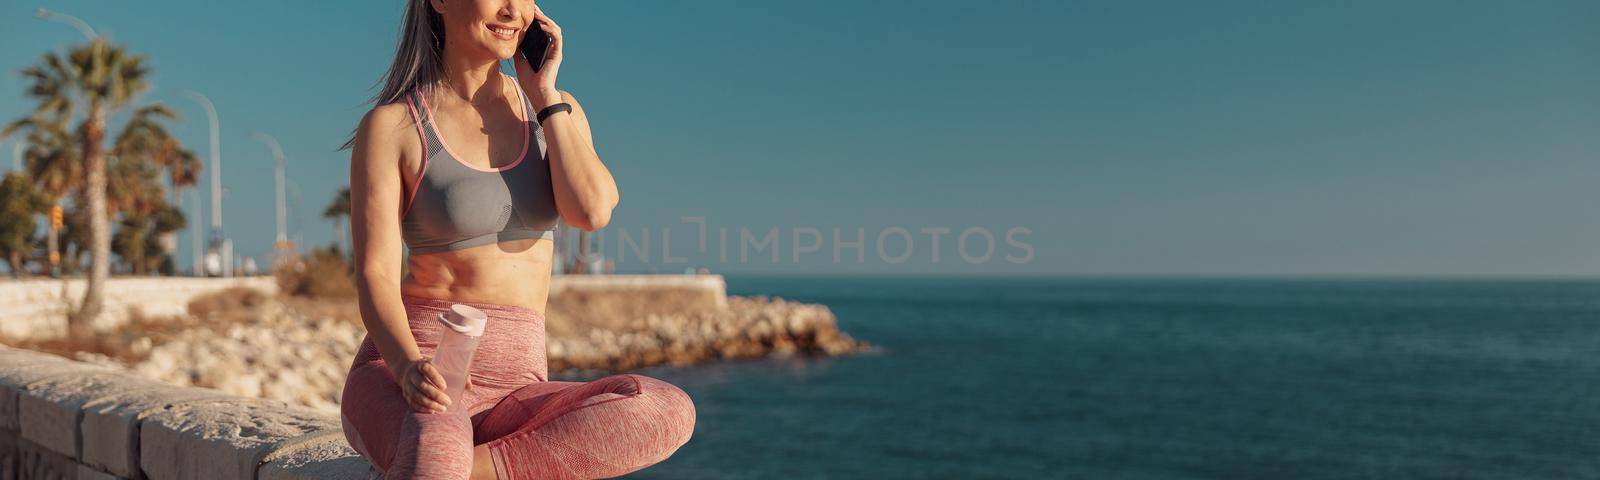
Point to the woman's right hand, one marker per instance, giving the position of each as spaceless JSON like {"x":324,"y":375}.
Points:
{"x":423,"y":387}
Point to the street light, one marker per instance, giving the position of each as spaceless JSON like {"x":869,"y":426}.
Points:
{"x":75,"y":22}
{"x":282,"y":243}
{"x":277,"y":155}
{"x":195,"y":234}
{"x":297,"y":213}
{"x":216,"y":170}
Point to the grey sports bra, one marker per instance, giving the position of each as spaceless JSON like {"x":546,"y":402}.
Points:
{"x":453,"y":205}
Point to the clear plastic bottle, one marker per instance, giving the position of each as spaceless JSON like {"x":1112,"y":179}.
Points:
{"x":458,"y":340}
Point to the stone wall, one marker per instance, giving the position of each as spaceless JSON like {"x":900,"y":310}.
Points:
{"x":696,"y":291}
{"x":37,"y":308}
{"x":63,"y":419}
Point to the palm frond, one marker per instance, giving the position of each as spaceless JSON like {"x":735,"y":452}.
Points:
{"x":155,"y":110}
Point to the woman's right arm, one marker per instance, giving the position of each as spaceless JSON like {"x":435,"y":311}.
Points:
{"x":375,"y":191}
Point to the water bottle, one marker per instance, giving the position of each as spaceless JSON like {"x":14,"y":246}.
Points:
{"x":463,"y":326}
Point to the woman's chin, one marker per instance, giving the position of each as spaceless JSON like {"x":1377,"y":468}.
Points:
{"x":506,"y":54}
{"x":498,"y":50}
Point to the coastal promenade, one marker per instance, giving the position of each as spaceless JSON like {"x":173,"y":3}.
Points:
{"x":253,"y":394}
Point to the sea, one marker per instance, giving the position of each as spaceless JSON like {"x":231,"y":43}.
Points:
{"x":1187,"y":378}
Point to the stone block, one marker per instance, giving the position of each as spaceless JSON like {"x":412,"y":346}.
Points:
{"x":35,"y":462}
{"x":49,"y":409}
{"x":86,"y":473}
{"x":8,"y":455}
{"x":24,"y":370}
{"x":11,"y":357}
{"x":110,"y":425}
{"x":223,"y":439}
{"x":329,"y":458}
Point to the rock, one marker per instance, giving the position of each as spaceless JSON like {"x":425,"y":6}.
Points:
{"x":749,"y":327}
{"x":285,"y":355}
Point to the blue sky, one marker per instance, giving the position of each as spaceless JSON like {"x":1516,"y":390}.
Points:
{"x":1147,"y":138}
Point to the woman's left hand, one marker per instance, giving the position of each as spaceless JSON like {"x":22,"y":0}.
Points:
{"x":541,"y":85}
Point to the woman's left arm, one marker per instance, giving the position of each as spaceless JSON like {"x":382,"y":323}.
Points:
{"x":584,"y":190}
{"x":585,"y":193}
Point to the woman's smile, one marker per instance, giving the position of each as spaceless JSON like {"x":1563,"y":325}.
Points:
{"x":502,"y":32}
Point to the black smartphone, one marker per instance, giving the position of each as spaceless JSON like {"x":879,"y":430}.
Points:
{"x":535,"y":46}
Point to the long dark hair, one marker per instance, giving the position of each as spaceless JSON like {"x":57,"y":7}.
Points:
{"x":418,"y":57}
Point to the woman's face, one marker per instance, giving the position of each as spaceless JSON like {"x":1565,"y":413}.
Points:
{"x":485,"y":27}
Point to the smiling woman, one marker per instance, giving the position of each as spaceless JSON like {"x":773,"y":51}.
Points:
{"x":470,"y":169}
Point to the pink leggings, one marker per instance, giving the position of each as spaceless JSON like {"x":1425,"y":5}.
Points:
{"x":535,"y":428}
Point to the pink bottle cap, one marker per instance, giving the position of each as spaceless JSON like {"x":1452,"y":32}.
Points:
{"x":465,"y":320}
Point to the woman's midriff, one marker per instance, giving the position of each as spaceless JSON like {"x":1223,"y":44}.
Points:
{"x":515,"y":273}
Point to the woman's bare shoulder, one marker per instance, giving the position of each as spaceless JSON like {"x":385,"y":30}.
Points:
{"x":387,"y":132}
{"x":386,"y":123}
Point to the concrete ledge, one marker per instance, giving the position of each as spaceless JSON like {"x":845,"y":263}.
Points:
{"x":32,"y":461}
{"x":49,"y":410}
{"x":328,"y":459}
{"x":63,"y":419}
{"x":18,"y":368}
{"x":708,"y":291}
{"x":86,"y":473}
{"x":110,"y":425}
{"x":222,"y":439}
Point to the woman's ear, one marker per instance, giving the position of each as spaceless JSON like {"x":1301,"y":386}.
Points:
{"x":438,"y":6}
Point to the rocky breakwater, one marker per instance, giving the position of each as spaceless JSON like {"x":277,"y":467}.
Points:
{"x":296,"y":350}
{"x":745,"y":328}
{"x":273,"y":351}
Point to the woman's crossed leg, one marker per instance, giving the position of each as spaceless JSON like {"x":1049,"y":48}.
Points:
{"x":603,"y":428}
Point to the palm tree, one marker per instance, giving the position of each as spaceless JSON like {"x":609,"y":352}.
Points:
{"x":51,"y":157}
{"x":74,"y":236}
{"x":52,"y":160}
{"x":134,"y":190}
{"x":133,"y":186}
{"x":140,"y":232}
{"x":337,"y":211}
{"x":20,"y":202}
{"x":145,"y":138}
{"x":165,"y":224}
{"x":100,"y":79}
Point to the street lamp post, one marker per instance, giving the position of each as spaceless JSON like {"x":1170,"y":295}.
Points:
{"x":282,"y":242}
{"x":195,"y":234}
{"x":216,"y":178}
{"x":298,"y":213}
{"x":75,"y":22}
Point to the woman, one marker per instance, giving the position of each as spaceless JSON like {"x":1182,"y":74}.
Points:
{"x":456,"y":163}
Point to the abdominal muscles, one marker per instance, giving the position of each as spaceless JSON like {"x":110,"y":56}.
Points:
{"x":508,"y":273}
